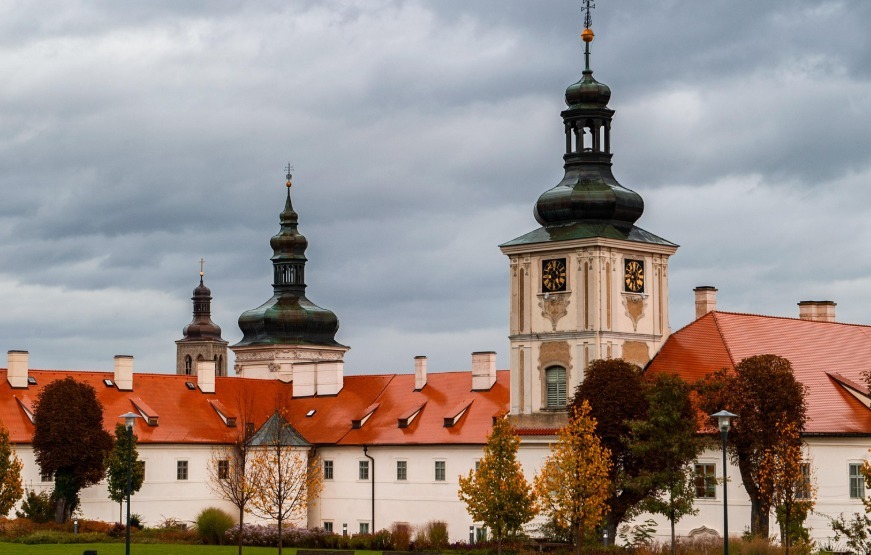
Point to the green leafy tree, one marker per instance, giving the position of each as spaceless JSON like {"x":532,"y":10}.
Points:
{"x":69,"y":440}
{"x":767,"y":398}
{"x":10,"y":474}
{"x":497,"y":493}
{"x":573,"y":486}
{"x":667,"y":438}
{"x":116,"y":468}
{"x":648,"y":427}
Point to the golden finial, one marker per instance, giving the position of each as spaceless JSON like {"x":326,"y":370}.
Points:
{"x":587,"y":35}
{"x":289,"y":169}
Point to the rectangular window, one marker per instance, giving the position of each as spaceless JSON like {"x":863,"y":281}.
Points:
{"x":46,"y":477}
{"x":364,"y":527}
{"x":477,"y":465}
{"x":440,"y":471}
{"x":556,"y":387}
{"x":328,"y":472}
{"x":706,"y":481}
{"x":328,"y":526}
{"x":802,"y":488}
{"x":857,"y":481}
{"x":223,"y":469}
{"x":181,"y":470}
{"x":401,"y":470}
{"x":363,"y":474}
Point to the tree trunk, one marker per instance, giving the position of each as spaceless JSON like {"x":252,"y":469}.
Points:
{"x":578,"y":537}
{"x":241,"y":518}
{"x":279,"y":533}
{"x":611,"y":527}
{"x":672,"y":535}
{"x":60,"y":510}
{"x":120,"y":513}
{"x":758,"y":518}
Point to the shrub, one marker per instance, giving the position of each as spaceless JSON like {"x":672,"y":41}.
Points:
{"x":433,"y":535}
{"x":38,"y":507}
{"x":136,"y":521}
{"x":400,"y":535}
{"x":212,"y":524}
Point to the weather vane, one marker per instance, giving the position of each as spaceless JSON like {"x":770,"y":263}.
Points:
{"x":289,"y":169}
{"x":588,"y":19}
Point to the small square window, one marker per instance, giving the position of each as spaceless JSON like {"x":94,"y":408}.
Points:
{"x":46,"y":477}
{"x":328,"y":471}
{"x":705,"y":481}
{"x":328,"y":526}
{"x":857,"y":481}
{"x":181,"y":470}
{"x":402,"y":470}
{"x":363,"y":473}
{"x":440,"y":471}
{"x":223,"y":469}
{"x":364,"y":527}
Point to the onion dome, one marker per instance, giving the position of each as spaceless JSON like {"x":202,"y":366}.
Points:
{"x":202,"y":327}
{"x":288,"y":318}
{"x":588,"y":192}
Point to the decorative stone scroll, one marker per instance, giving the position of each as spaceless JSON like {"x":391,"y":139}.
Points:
{"x":554,"y":307}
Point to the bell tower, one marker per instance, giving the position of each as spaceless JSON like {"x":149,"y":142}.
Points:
{"x":589,"y":283}
{"x":202,"y":337}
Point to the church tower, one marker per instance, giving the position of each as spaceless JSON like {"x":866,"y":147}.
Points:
{"x":588,"y":284}
{"x":202,"y":337}
{"x":289,"y":337}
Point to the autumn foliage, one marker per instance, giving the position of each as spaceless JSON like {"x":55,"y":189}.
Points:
{"x":771,"y":408}
{"x":10,"y":474}
{"x":497,"y":493}
{"x":69,"y":440}
{"x":573,"y":486}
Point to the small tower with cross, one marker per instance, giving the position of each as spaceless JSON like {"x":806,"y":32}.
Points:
{"x":202,"y":338}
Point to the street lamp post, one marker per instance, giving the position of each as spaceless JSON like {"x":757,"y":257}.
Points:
{"x":129,"y":420}
{"x":724,"y":422}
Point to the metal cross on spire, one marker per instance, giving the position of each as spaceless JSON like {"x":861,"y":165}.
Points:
{"x":289,"y":169}
{"x":588,"y":19}
{"x":202,"y":262}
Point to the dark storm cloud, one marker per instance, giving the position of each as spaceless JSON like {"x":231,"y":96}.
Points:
{"x":136,"y":138}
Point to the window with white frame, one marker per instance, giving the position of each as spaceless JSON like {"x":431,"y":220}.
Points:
{"x":440,"y":471}
{"x":402,"y":470}
{"x":328,"y":472}
{"x":705,"y":480}
{"x":181,"y":470}
{"x":555,"y":376}
{"x":46,"y":477}
{"x":803,"y":487}
{"x":364,"y":527}
{"x":363,"y":471}
{"x":328,"y":526}
{"x":857,"y":481}
{"x":223,"y":469}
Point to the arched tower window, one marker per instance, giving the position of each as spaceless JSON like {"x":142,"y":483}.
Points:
{"x":220,"y":366}
{"x":188,"y":365}
{"x":555,"y":378}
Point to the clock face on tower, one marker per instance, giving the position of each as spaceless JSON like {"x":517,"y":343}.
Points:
{"x":553,"y":275}
{"x":633,"y":275}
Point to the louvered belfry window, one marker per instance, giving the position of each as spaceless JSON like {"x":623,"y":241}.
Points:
{"x":556,"y":387}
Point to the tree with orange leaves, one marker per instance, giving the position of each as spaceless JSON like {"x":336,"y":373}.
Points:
{"x":497,"y":493}
{"x":285,"y":475}
{"x":573,"y":486}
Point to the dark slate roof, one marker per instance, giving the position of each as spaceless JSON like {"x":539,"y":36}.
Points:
{"x":587,"y":230}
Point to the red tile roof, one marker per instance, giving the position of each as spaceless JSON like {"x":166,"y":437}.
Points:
{"x":190,"y":416}
{"x":816,"y":349}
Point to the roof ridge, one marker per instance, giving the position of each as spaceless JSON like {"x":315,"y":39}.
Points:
{"x":722,"y":337}
{"x":727,"y":312}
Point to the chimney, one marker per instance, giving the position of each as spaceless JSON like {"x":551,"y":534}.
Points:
{"x":419,"y":372}
{"x":206,"y":375}
{"x":818,"y":311}
{"x":16,"y":369}
{"x":483,"y":370}
{"x":124,"y":372}
{"x":706,"y":300}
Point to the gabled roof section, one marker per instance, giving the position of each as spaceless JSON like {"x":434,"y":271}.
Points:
{"x":367,"y":412}
{"x":453,"y":416}
{"x":226,"y":415}
{"x":406,"y":418}
{"x":828,"y":357}
{"x":26,"y":404}
{"x":277,"y":431}
{"x":149,"y":414}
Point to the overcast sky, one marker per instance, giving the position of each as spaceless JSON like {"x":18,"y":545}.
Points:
{"x":137,"y":137}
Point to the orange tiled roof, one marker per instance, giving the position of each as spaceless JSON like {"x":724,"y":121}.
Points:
{"x":816,"y":349}
{"x":189,"y":416}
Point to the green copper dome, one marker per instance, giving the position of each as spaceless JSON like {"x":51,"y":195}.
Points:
{"x":588,"y":193}
{"x":288,"y":318}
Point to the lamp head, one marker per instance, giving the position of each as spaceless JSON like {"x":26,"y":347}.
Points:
{"x":129,"y":419}
{"x":724,"y":419}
